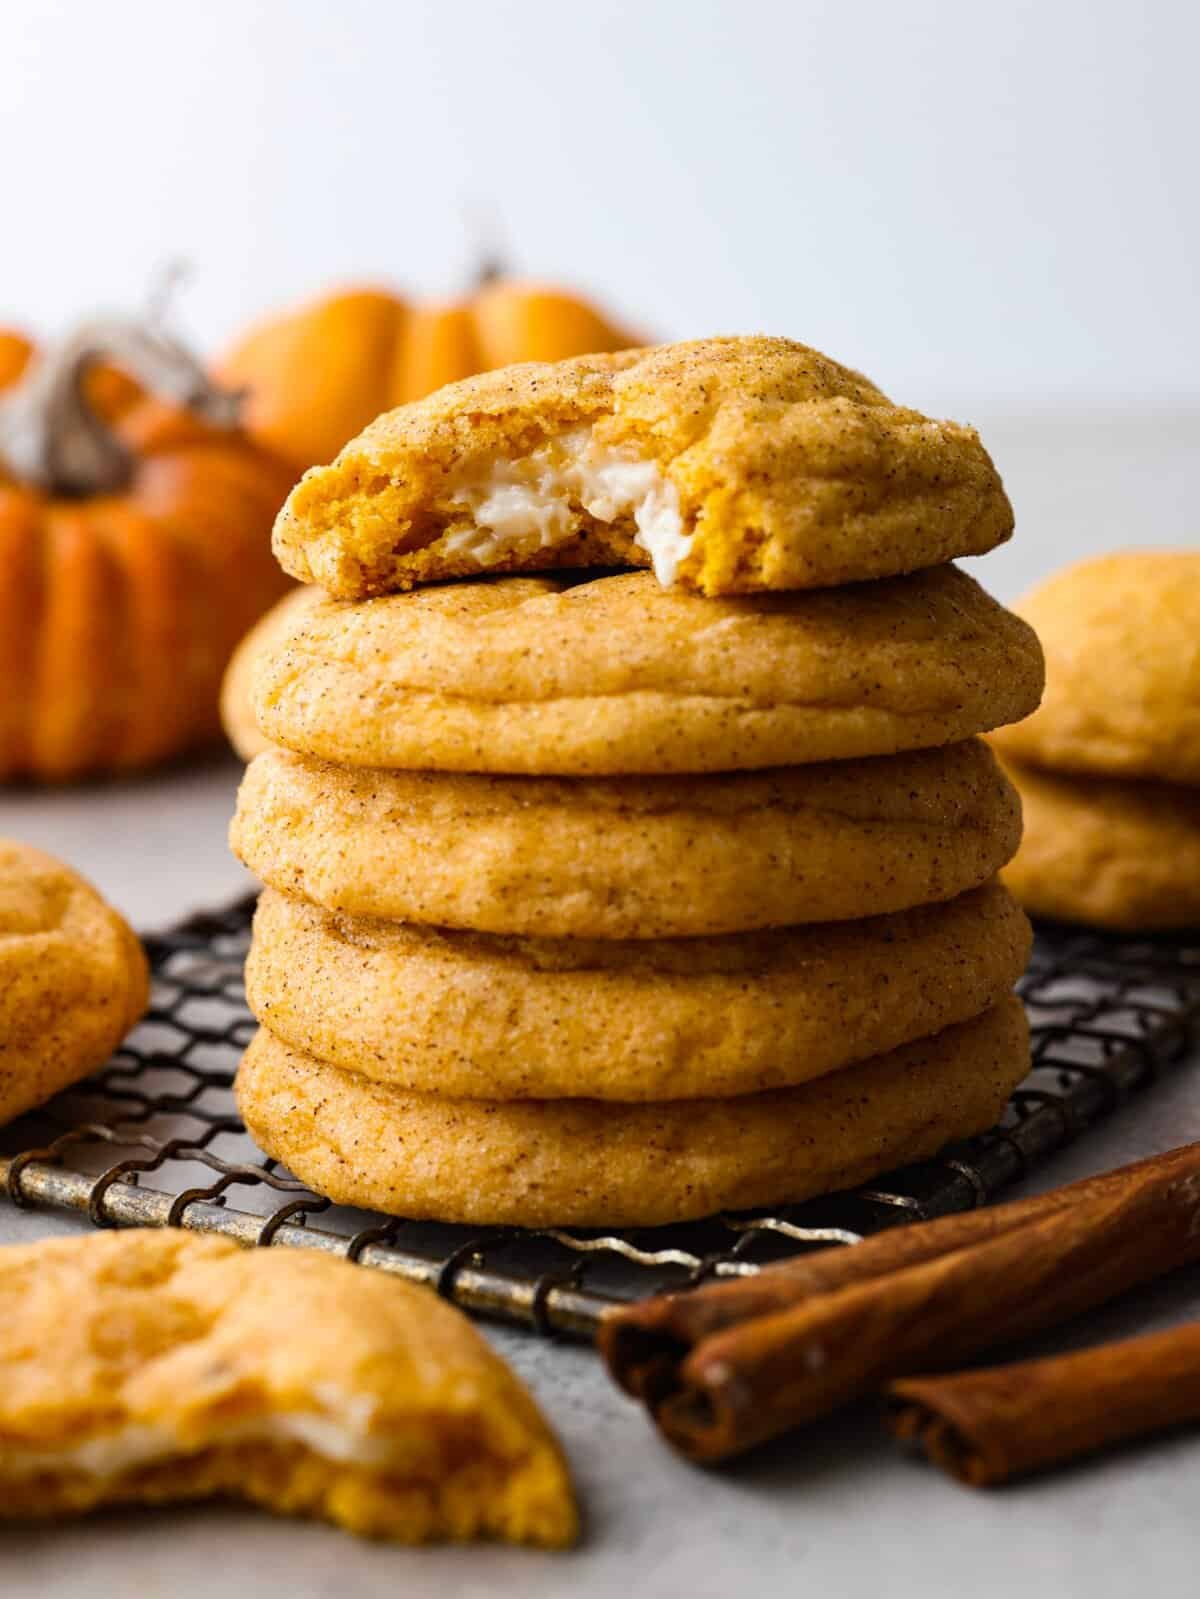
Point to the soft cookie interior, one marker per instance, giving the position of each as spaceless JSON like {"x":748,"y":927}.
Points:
{"x":518,"y":505}
{"x":564,"y":495}
{"x":159,"y":1365}
{"x":730,"y":465}
{"x":436,"y":1482}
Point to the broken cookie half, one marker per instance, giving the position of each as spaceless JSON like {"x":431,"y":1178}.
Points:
{"x":729,"y":466}
{"x":158,"y":1365}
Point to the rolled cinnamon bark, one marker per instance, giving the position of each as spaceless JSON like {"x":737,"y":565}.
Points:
{"x":727,"y":1366}
{"x":645,"y":1344}
{"x":987,"y":1426}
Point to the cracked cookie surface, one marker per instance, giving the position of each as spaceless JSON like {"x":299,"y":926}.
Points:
{"x":733,"y":465}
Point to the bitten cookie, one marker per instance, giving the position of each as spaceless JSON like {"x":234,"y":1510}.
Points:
{"x":595,"y":1163}
{"x":472,"y":1015}
{"x":1122,"y":642}
{"x":154,"y":1366}
{"x":629,"y":858}
{"x":237,"y":709}
{"x":617,"y":675}
{"x":73,"y":978}
{"x":730,"y":465}
{"x":1115,"y":854}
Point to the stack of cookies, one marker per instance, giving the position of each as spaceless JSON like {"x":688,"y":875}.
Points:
{"x":620,"y":897}
{"x":1109,"y":766}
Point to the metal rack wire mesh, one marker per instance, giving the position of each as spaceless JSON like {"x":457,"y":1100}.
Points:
{"x":154,"y":1138}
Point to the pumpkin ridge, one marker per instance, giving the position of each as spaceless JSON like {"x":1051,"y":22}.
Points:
{"x":317,"y":373}
{"x":22,"y":603}
{"x":120,"y":607}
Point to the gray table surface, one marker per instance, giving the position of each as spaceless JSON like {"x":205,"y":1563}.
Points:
{"x":838,"y":1511}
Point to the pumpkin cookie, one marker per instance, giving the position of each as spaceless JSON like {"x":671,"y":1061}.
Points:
{"x":1116,"y":854}
{"x":471,"y":1014}
{"x":627,"y":858}
{"x":617,"y":675}
{"x":153,"y":1366}
{"x":73,"y":978}
{"x":730,"y":465}
{"x":237,"y":709}
{"x":593,"y":1163}
{"x":1122,"y":641}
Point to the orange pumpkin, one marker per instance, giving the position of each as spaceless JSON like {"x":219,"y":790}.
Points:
{"x":134,"y":551}
{"x":314,"y":377}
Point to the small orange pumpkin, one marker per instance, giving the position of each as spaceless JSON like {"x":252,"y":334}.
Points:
{"x":134,"y":550}
{"x":315,"y":376}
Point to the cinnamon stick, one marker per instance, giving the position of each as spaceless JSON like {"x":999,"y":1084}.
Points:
{"x":646,"y":1343}
{"x":727,"y":1366}
{"x":985,"y":1427}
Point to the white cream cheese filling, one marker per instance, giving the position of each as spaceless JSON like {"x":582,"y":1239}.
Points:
{"x":524,"y":505}
{"x":139,"y":1445}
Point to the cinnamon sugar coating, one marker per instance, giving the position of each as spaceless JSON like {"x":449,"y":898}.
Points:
{"x":784,"y":469}
{"x":585,"y":1162}
{"x":618,"y":675}
{"x":469,"y":1014}
{"x":73,"y":978}
{"x":629,"y":858}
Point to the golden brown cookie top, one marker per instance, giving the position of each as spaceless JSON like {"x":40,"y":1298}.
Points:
{"x":132,"y":1350}
{"x":1122,"y":642}
{"x":48,"y":911}
{"x":73,"y":978}
{"x":731,"y":465}
{"x":617,"y":675}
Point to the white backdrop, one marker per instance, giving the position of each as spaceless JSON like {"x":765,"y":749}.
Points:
{"x":986,"y":206}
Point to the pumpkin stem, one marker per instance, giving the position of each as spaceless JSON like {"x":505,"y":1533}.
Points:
{"x":51,"y":436}
{"x":490,"y":269}
{"x":485,"y":238}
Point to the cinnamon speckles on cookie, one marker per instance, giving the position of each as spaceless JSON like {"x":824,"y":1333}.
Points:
{"x":629,"y":858}
{"x":470,"y":1014}
{"x":584,"y":1162}
{"x":617,"y":675}
{"x":616,"y":898}
{"x":730,"y":465}
{"x":73,"y":978}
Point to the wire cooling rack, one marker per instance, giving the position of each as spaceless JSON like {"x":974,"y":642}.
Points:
{"x":154,"y":1139}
